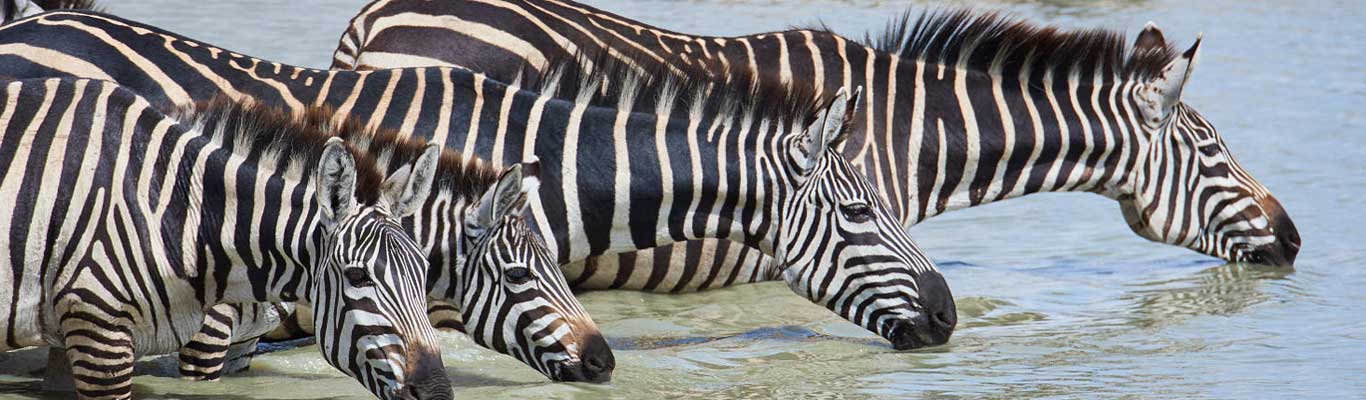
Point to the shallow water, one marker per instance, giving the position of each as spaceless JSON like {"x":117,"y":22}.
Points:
{"x":1056,"y":297}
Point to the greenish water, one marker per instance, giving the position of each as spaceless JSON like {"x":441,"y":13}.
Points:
{"x":1056,"y":297}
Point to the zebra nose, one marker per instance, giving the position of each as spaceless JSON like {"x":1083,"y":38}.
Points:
{"x":595,"y":362}
{"x":427,"y":379}
{"x":598,"y":361}
{"x":937,"y":318}
{"x":1283,"y":251}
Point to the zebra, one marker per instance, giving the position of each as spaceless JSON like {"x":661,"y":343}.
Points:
{"x":1224,"y":213}
{"x":123,"y":223}
{"x":965,"y":108}
{"x":488,"y":266}
{"x":733,"y":164}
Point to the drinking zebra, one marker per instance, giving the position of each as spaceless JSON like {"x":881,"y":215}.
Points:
{"x":750,"y":163}
{"x":964,"y":108}
{"x":123,"y":223}
{"x":487,"y":265}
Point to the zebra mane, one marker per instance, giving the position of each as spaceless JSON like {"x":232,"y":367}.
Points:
{"x":662,"y":90}
{"x":276,"y":138}
{"x":940,"y":37}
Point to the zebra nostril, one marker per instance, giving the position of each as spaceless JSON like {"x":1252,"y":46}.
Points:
{"x":943,"y":319}
{"x":595,"y":365}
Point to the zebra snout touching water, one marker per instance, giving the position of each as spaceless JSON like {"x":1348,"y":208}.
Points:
{"x":846,"y":251}
{"x":124,"y":223}
{"x":371,"y":289}
{"x":513,"y":296}
{"x":1186,"y":187}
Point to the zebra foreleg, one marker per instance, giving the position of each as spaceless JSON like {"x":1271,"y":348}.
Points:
{"x":100,"y":355}
{"x":227,"y":341}
{"x":239,"y":356}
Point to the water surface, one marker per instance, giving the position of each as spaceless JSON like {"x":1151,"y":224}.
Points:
{"x":1056,"y":297}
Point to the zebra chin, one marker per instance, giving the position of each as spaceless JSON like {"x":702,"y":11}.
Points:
{"x":594,"y":365}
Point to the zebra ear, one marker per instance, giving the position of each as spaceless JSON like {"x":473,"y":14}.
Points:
{"x":408,"y":188}
{"x":504,"y":197}
{"x":829,"y":128}
{"x":1150,"y":38}
{"x":1161,"y":94}
{"x":336,"y":180}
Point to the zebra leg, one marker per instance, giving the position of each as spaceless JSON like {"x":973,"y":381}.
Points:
{"x":57,"y":376}
{"x":295,"y":322}
{"x":445,"y":316}
{"x":202,"y":357}
{"x":100,"y":354}
{"x":239,"y":356}
{"x":227,"y":340}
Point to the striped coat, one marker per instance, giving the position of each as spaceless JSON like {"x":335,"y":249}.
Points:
{"x":746,"y":163}
{"x":964,"y":108}
{"x":122,"y":224}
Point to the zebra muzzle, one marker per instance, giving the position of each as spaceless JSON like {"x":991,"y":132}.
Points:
{"x":595,"y":364}
{"x":426,"y":379}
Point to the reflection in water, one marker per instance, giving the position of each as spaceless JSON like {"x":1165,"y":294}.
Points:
{"x":1226,"y":289}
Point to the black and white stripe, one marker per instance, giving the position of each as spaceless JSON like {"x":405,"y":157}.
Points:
{"x":964,"y":108}
{"x":687,"y":162}
{"x":122,"y":224}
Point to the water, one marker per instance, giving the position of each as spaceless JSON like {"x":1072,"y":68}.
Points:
{"x":1056,"y":297}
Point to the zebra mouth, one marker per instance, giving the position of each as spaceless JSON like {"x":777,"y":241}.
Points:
{"x":922,"y":331}
{"x":581,"y":372}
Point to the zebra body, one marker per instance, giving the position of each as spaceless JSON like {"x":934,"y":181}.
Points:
{"x":770,"y":167}
{"x":963,"y":109}
{"x":124,"y":223}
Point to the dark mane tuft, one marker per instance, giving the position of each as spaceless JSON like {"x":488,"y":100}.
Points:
{"x":613,"y":83}
{"x":294,"y":143}
{"x":941,"y":36}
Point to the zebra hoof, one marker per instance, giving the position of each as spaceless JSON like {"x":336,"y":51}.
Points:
{"x":57,"y":377}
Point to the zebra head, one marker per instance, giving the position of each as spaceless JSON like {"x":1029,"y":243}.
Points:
{"x":515,"y":299}
{"x":1187,"y":189}
{"x":369,"y":293}
{"x":842,"y":248}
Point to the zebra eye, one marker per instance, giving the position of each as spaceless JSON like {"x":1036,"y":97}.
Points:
{"x":857,"y":212}
{"x":357,"y":277}
{"x":518,"y":275}
{"x":1210,"y":150}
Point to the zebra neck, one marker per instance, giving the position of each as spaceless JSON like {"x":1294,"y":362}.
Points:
{"x":438,"y":229}
{"x":666,"y":179}
{"x":959,"y":139}
{"x":257,"y":230}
